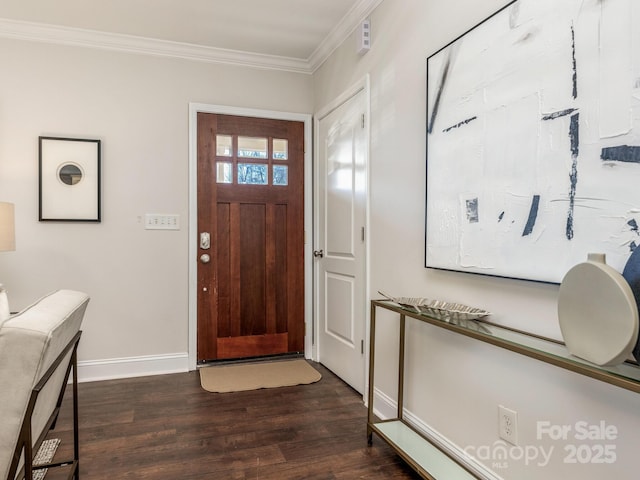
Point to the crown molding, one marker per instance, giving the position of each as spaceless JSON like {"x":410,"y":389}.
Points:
{"x":341,"y":32}
{"x":78,"y":37}
{"x":46,"y":33}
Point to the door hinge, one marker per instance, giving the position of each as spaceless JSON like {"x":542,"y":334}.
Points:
{"x":362,"y":119}
{"x":362,"y":347}
{"x":362,"y":234}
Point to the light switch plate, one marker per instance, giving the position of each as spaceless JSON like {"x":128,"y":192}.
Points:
{"x":161,"y":221}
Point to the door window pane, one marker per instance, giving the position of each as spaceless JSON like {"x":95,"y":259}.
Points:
{"x":252,"y":147}
{"x":280,"y":175}
{"x":280,"y":149}
{"x":252,"y":174}
{"x":224,"y":145}
{"x":224,"y":172}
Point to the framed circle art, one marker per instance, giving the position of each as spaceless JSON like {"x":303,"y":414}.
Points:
{"x":69,"y":179}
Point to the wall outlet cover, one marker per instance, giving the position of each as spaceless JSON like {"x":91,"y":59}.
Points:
{"x":508,"y":424}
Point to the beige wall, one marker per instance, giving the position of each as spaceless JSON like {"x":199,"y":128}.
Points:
{"x":138,"y":106}
{"x":458,"y":383}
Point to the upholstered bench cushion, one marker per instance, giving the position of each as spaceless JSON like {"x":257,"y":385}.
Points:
{"x":29,"y":343}
{"x":4,"y":305}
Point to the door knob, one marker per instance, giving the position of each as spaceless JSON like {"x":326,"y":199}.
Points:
{"x":318,"y":253}
{"x":205,"y":258}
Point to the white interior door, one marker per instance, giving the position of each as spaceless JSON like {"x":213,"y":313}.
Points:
{"x":340,"y":279}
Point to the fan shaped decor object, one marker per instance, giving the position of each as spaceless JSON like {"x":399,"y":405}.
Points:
{"x":438,"y":309}
{"x":597,"y":312}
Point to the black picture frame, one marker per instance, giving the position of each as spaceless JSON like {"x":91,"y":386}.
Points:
{"x":533,"y":141}
{"x":69,"y":183}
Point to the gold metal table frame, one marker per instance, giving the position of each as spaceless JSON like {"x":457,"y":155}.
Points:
{"x":426,"y":458}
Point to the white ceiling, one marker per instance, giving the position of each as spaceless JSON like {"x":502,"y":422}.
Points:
{"x":295,"y":29}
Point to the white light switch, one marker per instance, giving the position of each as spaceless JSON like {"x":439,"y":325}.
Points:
{"x":159,"y":221}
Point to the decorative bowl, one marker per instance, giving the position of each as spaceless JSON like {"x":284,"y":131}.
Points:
{"x":439,"y":309}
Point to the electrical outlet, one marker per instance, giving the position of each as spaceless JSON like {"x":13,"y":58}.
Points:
{"x":508,"y":424}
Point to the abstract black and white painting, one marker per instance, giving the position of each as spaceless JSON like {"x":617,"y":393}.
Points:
{"x":533,"y":140}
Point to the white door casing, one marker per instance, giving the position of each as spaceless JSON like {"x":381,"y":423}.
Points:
{"x":340,"y":187}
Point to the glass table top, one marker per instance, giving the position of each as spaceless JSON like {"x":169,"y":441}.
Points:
{"x":429,"y":457}
{"x":625,"y":375}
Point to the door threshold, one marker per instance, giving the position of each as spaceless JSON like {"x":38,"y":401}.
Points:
{"x":264,"y":358}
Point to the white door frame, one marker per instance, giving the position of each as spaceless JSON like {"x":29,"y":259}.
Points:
{"x":194,"y":109}
{"x":362,"y":85}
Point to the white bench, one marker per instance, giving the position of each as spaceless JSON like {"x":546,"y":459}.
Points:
{"x":37,"y":353}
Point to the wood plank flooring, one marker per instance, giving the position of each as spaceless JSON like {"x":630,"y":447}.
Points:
{"x":166,"y":428}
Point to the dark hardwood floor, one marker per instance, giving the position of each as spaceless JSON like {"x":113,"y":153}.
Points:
{"x":167,"y":427}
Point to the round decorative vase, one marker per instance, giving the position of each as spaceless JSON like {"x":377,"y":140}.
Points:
{"x":631,"y":274}
{"x":598,"y":313}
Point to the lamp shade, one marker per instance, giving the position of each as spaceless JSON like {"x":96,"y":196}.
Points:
{"x":7,"y":227}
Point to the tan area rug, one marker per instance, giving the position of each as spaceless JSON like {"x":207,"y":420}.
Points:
{"x":252,"y":376}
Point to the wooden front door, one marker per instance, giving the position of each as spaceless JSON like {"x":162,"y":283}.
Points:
{"x":251,"y":234}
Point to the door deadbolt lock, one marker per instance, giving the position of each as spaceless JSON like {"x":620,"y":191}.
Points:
{"x":205,"y":240}
{"x":205,"y":258}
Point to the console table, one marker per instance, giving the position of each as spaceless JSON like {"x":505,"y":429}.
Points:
{"x":423,"y":456}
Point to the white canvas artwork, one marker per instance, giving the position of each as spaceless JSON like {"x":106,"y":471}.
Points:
{"x":533,"y":140}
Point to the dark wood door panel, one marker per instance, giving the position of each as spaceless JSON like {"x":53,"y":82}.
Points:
{"x":253,"y":345}
{"x":223,"y":281}
{"x":252,"y":275}
{"x":253,"y":126}
{"x":251,"y":295}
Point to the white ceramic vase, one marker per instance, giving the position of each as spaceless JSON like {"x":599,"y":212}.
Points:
{"x":597,"y":312}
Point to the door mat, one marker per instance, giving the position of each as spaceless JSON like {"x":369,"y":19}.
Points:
{"x":253,"y":376}
{"x":45,"y":455}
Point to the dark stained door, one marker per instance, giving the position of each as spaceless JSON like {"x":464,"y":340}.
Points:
{"x":250,"y":224}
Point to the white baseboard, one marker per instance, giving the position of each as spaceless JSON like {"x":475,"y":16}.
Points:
{"x":386,"y":407}
{"x":112,"y":368}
